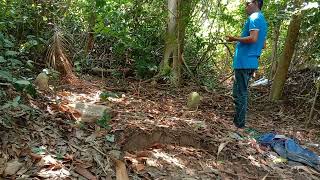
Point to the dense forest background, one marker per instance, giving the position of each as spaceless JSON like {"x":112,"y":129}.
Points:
{"x":165,"y":46}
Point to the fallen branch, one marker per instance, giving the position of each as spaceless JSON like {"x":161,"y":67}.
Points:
{"x":223,"y":80}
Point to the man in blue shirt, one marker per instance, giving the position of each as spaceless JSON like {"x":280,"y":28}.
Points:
{"x":247,"y":53}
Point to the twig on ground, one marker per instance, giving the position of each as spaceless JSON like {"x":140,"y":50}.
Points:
{"x":236,"y":175}
{"x":100,"y":164}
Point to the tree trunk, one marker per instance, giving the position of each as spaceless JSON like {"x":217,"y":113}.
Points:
{"x":170,"y":51}
{"x":92,"y":22}
{"x":285,"y":60}
{"x":179,"y":15}
{"x":274,"y":58}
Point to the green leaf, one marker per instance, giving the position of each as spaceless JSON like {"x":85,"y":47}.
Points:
{"x":30,"y":64}
{"x":33,"y":42}
{"x":11,"y":53}
{"x":2,"y":60}
{"x":15,"y":62}
{"x":30,"y":89}
{"x":59,"y":156}
{"x":7,"y":105}
{"x":44,"y":18}
{"x":39,"y":150}
{"x":104,"y":120}
{"x":20,"y":85}
{"x":110,"y":138}
{"x":8,"y":44}
{"x":6,"y":76}
{"x":25,"y":108}
{"x":31,"y":37}
{"x":16,"y":101}
{"x":105,"y":95}
{"x":23,"y":82}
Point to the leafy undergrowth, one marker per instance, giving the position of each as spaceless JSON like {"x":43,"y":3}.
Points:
{"x":151,"y":130}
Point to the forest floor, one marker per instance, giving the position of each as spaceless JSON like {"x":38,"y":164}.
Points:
{"x":156,"y":136}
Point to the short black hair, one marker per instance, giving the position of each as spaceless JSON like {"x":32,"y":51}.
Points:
{"x":260,"y":4}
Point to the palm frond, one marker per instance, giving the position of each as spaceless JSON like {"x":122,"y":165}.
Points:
{"x":59,"y":51}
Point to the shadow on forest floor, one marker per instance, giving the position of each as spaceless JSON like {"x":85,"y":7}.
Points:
{"x":153,"y":132}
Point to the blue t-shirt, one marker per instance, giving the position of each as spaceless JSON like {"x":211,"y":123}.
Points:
{"x":247,"y":54}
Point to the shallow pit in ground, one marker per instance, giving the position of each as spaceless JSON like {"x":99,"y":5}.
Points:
{"x":138,"y":139}
{"x":183,"y":154}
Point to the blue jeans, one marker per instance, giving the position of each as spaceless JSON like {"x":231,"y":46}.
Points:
{"x":240,"y":95}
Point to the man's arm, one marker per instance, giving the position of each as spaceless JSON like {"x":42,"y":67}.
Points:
{"x":252,"y":38}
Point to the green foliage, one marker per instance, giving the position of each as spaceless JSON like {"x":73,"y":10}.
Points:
{"x":15,"y":105}
{"x":104,"y":120}
{"x":39,"y":150}
{"x":110,"y":138}
{"x":20,"y":85}
{"x":145,"y":69}
{"x":2,"y":96}
{"x":25,"y":86}
{"x":130,"y":34}
{"x":135,"y":30}
{"x":105,"y":95}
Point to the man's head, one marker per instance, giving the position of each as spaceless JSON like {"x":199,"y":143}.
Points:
{"x":253,"y":6}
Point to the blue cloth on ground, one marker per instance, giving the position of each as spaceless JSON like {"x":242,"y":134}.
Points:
{"x":288,"y":148}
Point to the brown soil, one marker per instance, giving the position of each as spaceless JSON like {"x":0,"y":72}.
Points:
{"x":158,"y":137}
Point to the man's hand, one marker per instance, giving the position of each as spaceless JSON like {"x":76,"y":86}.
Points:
{"x":252,"y":38}
{"x":231,"y":38}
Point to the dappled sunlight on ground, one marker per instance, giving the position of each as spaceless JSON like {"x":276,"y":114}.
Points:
{"x":171,"y":161}
{"x":154,"y":133}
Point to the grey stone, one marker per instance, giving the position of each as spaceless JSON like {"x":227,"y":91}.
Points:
{"x":91,"y":112}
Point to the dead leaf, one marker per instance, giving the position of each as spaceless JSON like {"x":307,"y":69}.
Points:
{"x":85,"y":173}
{"x":79,"y":133}
{"x":143,"y":153}
{"x":91,"y":138}
{"x":101,"y":133}
{"x":306,"y":169}
{"x":2,"y":165}
{"x":12,"y":167}
{"x":35,"y":157}
{"x":265,"y":177}
{"x":140,"y":167}
{"x":16,"y":149}
{"x":221,"y":146}
{"x":121,"y":170}
{"x":157,"y":146}
{"x":23,"y":170}
{"x":68,"y":157}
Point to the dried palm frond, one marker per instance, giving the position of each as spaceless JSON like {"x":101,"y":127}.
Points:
{"x":58,"y":52}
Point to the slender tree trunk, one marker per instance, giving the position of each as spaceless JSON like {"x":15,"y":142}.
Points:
{"x":170,"y":51}
{"x":179,"y":15}
{"x":285,"y":60}
{"x":91,"y":25}
{"x":92,"y":22}
{"x":274,"y":57}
